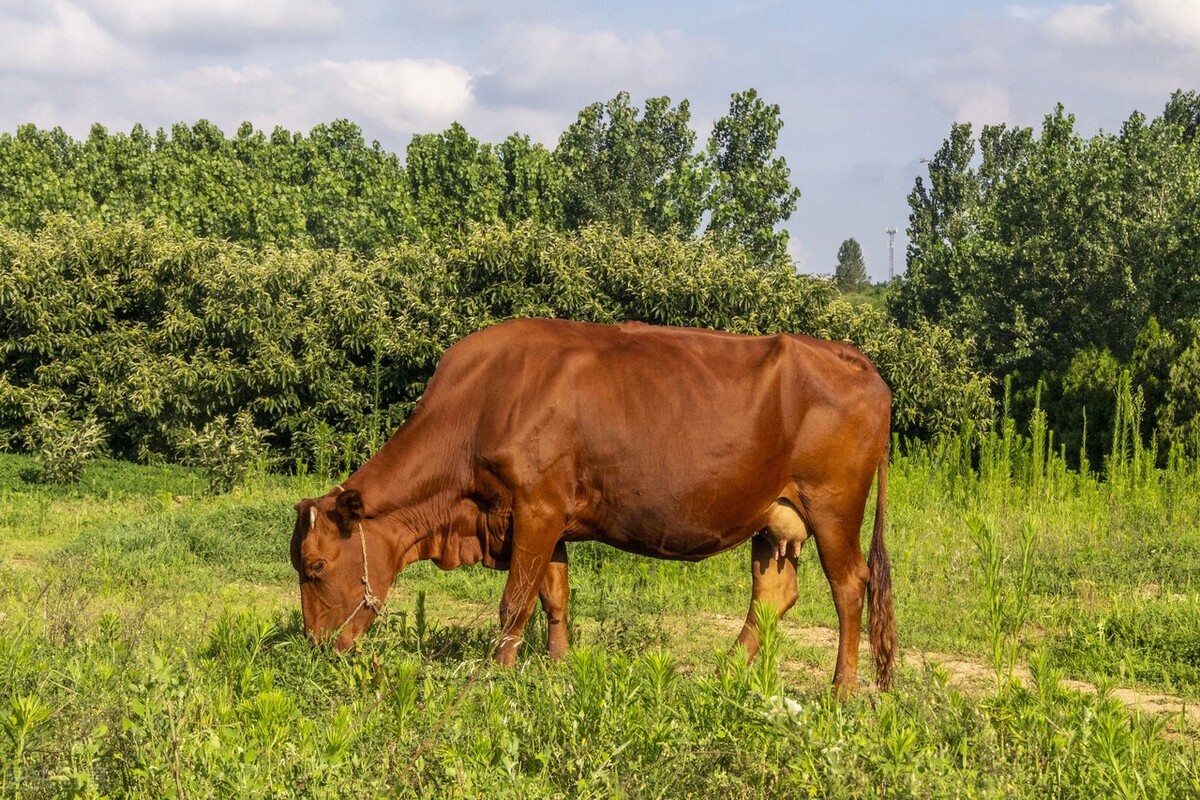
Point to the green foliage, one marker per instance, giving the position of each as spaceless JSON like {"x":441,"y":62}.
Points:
{"x":1179,"y":415}
{"x":156,"y":334}
{"x":1040,"y":247}
{"x":453,"y":180}
{"x":20,"y":722}
{"x":61,"y":443}
{"x":631,"y":172}
{"x":616,"y":165}
{"x":1089,"y":392}
{"x":227,"y":452}
{"x":752,"y":193}
{"x":1005,"y":603}
{"x":533,"y":188}
{"x":1183,"y":111}
{"x":1169,"y":395}
{"x":329,"y":189}
{"x":851,"y":272}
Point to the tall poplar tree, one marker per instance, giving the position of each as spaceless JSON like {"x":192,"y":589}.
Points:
{"x":851,"y":273}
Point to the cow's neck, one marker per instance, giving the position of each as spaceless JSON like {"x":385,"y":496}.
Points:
{"x":413,"y":492}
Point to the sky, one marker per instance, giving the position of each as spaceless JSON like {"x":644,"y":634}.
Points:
{"x":866,"y":89}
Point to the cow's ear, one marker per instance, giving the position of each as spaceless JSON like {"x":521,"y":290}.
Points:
{"x":349,"y":505}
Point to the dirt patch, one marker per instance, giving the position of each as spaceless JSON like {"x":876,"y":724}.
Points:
{"x":976,"y":677}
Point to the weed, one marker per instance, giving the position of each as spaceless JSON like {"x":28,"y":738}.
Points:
{"x":1006,"y":602}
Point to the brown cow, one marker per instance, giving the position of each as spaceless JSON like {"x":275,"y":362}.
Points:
{"x":668,"y":442}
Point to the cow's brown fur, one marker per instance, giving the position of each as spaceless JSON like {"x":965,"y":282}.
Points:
{"x":668,"y":442}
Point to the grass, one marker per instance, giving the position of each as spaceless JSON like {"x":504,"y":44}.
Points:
{"x":151,"y":645}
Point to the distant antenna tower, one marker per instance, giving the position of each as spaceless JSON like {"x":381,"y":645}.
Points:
{"x":891,"y":232}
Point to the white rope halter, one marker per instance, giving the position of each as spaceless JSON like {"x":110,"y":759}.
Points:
{"x":369,"y":599}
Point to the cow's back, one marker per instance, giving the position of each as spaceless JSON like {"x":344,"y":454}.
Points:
{"x":670,"y":441}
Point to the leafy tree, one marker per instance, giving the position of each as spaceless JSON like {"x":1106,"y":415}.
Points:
{"x":352,"y":195}
{"x":533,"y":183}
{"x":1072,"y":260}
{"x":38,"y":175}
{"x":617,"y":164}
{"x":453,"y":180}
{"x":1179,"y":415}
{"x":329,"y":189}
{"x":632,"y":171}
{"x":1183,"y":111}
{"x":752,"y":191}
{"x":851,"y":272}
{"x":1044,"y":246}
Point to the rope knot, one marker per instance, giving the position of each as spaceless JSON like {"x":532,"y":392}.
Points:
{"x":369,"y":599}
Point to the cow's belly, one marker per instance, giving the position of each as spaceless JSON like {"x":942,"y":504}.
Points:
{"x":660,"y":536}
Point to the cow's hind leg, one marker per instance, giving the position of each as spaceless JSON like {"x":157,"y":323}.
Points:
{"x":773,"y":554}
{"x":774,"y":585}
{"x":554,"y":595}
{"x":837,"y":536}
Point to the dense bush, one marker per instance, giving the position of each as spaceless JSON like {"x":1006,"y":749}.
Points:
{"x":157,"y":334}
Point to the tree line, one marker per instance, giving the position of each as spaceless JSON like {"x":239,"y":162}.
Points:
{"x":140,"y":270}
{"x":626,"y":167}
{"x":1073,"y":264}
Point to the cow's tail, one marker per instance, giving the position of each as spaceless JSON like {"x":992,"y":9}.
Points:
{"x":879,"y":590}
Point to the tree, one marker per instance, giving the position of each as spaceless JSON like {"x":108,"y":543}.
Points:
{"x":1061,"y":256}
{"x":38,"y":174}
{"x":632,"y":171}
{"x":453,"y":179}
{"x":1183,"y":110}
{"x":752,"y":191}
{"x":533,"y":183}
{"x":851,"y":273}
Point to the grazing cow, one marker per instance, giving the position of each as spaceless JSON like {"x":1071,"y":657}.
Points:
{"x":669,"y":442}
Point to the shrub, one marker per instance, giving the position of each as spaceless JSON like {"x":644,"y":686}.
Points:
{"x":157,"y":334}
{"x":61,"y":443}
{"x":227,"y":452}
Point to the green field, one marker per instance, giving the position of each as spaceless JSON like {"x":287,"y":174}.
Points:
{"x":151,"y":646}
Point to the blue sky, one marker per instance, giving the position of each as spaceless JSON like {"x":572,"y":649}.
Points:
{"x":866,"y":89}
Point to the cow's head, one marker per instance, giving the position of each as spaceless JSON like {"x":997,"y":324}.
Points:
{"x":328,"y":553}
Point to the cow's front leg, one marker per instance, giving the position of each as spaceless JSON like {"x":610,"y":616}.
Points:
{"x":554,"y":595}
{"x":527,"y":571}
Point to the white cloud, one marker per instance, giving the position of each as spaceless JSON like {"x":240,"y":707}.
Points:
{"x":404,"y":94}
{"x":544,"y":60}
{"x":1026,"y":13}
{"x":60,"y":39}
{"x":1174,"y":21}
{"x":461,"y":14}
{"x":219,"y":22}
{"x":1092,"y":24}
{"x":979,"y":102}
{"x":1145,"y":22}
{"x":391,"y":100}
